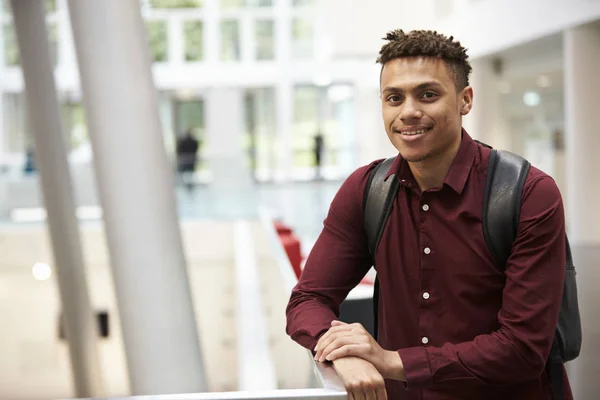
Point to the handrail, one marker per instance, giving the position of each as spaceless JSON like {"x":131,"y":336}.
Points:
{"x":328,"y":385}
{"x":325,"y":373}
{"x":330,"y":388}
{"x":255,"y":364}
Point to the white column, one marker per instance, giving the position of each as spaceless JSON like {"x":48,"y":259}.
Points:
{"x":582,"y":82}
{"x":136,"y":191}
{"x":485,"y":122}
{"x":212,"y":32}
{"x":51,"y":156}
{"x":225,"y":134}
{"x":227,"y":159}
{"x":175,"y":39}
{"x":2,"y":61}
{"x":247,"y":38}
{"x":372,"y":139}
{"x":284,"y":91}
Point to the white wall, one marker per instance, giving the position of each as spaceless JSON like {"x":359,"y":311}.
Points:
{"x":356,"y":27}
{"x":488,"y":26}
{"x":483,"y":26}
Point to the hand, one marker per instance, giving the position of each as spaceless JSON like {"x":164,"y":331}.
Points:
{"x":361,"y":379}
{"x":343,"y":340}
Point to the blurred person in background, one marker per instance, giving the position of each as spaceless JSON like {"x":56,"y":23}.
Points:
{"x":452,"y":324}
{"x":187,"y":157}
{"x":318,"y":148}
{"x":29,"y":167}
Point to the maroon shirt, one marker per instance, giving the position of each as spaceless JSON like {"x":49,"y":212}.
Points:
{"x":464,"y":327}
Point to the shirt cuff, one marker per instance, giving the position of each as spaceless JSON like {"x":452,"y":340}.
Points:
{"x":417,"y":370}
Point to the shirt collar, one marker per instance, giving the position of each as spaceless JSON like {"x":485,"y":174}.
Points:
{"x":457,"y":174}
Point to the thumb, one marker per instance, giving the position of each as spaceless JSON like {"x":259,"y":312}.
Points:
{"x":338,"y":323}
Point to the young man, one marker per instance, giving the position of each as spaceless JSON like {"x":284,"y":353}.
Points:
{"x":453,"y":325}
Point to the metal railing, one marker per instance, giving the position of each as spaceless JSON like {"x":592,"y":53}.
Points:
{"x":330,"y":388}
{"x":325,"y":382}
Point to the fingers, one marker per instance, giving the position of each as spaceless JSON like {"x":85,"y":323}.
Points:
{"x":338,"y":323}
{"x":381,"y":392}
{"x":369,"y":389}
{"x":339,"y":340}
{"x":334,"y":332}
{"x":355,"y":350}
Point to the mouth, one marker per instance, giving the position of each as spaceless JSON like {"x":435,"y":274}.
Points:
{"x":411,"y":133}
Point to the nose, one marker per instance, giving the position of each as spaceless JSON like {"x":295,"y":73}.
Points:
{"x":410,"y":111}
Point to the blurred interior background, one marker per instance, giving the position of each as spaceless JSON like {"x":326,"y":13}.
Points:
{"x":281,"y":98}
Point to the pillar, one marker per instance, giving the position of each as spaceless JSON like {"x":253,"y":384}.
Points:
{"x":51,"y":157}
{"x":136,"y":190}
{"x":581,"y":59}
{"x":227,"y":157}
{"x":582,"y":81}
{"x":486,"y":121}
{"x":372,"y":139}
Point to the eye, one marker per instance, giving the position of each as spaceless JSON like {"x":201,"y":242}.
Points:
{"x":394,"y":98}
{"x":429,"y":95}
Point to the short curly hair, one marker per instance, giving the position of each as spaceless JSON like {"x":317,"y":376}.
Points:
{"x":428,"y":44}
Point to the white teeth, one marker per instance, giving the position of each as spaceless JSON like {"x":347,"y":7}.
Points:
{"x":414,"y":132}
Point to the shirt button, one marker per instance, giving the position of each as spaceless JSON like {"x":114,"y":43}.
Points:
{"x":425,"y":207}
{"x":426,"y":295}
{"x":427,"y":250}
{"x":424,"y":340}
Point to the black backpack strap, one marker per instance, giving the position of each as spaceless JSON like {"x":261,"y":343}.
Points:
{"x":378,"y":200}
{"x":555,"y":373}
{"x":501,"y":213}
{"x":502,"y":202}
{"x":379,"y":197}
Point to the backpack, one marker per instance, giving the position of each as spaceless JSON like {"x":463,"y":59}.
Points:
{"x":501,"y":211}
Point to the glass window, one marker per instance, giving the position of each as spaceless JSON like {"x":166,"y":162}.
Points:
{"x":194,"y":40}
{"x":299,"y":3}
{"x":265,"y":40}
{"x":329,"y":111}
{"x":157,"y":38}
{"x":302,"y":38}
{"x":176,"y":3}
{"x":230,"y":40}
{"x":15,"y":122}
{"x":232,"y":3}
{"x":261,"y":127}
{"x":11,"y":49}
{"x":306,"y":124}
{"x":50,"y":6}
{"x":245,"y":3}
{"x":75,"y":125}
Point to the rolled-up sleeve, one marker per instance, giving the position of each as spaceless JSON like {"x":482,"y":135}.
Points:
{"x":338,"y":261}
{"x":531,"y":299}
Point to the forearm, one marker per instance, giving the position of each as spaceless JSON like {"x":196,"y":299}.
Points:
{"x":493,"y":359}
{"x":394,"y":365}
{"x":307,"y":320}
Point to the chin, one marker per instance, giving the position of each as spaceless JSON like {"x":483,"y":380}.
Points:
{"x":414,"y":157}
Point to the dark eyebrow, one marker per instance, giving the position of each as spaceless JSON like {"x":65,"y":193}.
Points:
{"x":421,"y":86}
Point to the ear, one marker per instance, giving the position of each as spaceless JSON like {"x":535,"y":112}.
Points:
{"x":466,"y":100}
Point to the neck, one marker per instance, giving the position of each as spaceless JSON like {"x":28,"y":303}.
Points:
{"x":431,"y":172}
